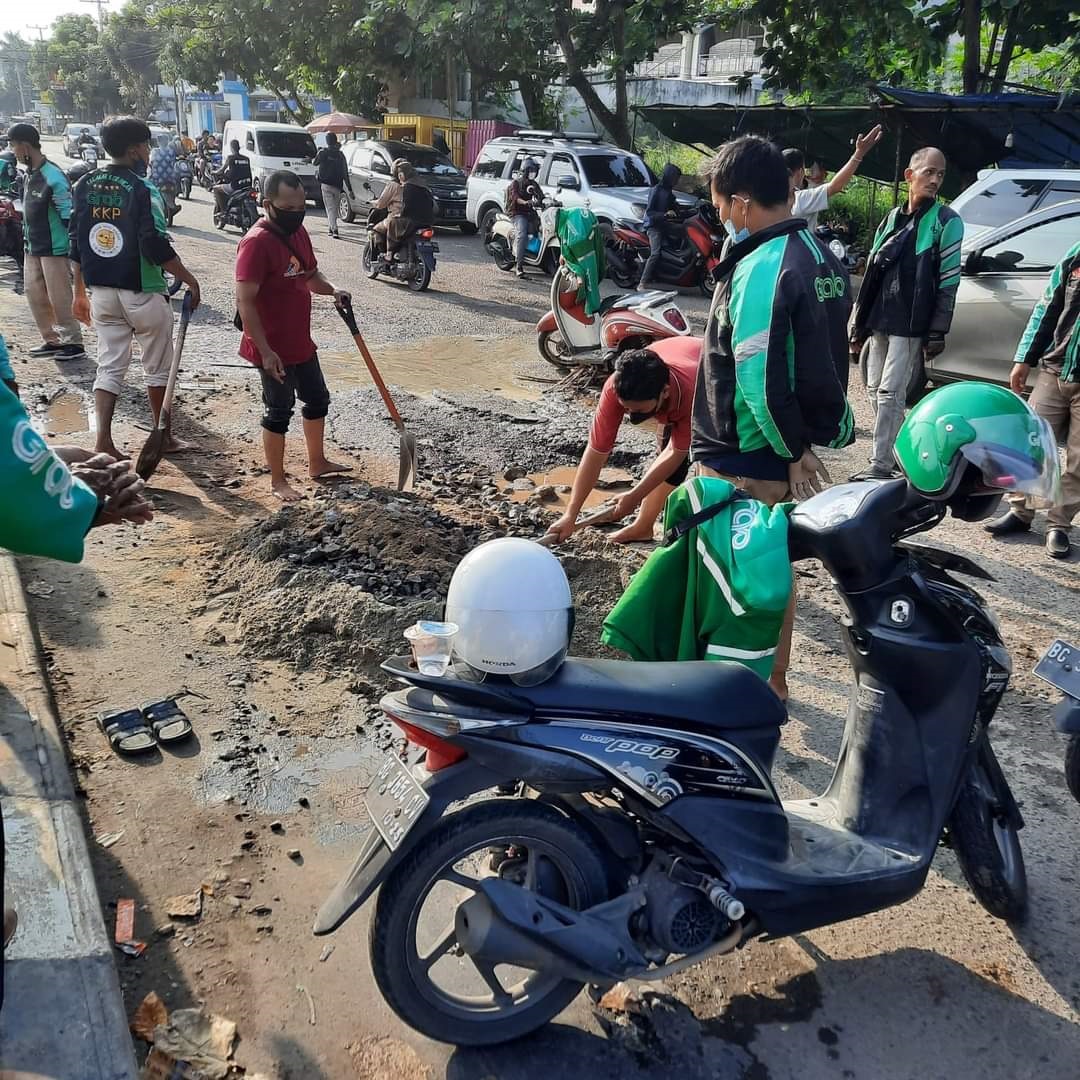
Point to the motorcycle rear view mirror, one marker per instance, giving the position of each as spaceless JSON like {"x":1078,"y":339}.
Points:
{"x":568,"y":183}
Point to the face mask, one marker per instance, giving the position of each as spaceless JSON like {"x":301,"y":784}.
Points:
{"x":737,"y":235}
{"x":641,"y":417}
{"x":288,"y":221}
{"x":138,"y":167}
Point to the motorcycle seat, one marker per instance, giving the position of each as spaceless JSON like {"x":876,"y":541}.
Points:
{"x":626,"y":300}
{"x":713,"y":693}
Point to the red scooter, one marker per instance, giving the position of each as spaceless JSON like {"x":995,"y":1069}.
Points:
{"x":690,"y":261}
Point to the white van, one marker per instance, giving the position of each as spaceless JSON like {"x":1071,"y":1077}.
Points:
{"x":274,"y":146}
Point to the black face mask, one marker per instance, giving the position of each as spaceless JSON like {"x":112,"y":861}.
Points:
{"x":641,"y":417}
{"x":138,"y":167}
{"x":288,"y":221}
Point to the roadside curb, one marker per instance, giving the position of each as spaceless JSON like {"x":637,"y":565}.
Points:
{"x":63,"y":1012}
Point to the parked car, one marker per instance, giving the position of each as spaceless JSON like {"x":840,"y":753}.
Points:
{"x":71,"y":138}
{"x":369,"y":171}
{"x":1004,"y":272}
{"x":579,"y":168}
{"x":1001,"y":196}
{"x":273,"y":146}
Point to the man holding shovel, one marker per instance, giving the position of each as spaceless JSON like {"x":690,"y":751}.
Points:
{"x":119,"y":249}
{"x":276,"y":273}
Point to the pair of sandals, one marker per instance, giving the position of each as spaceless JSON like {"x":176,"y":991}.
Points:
{"x":138,"y":731}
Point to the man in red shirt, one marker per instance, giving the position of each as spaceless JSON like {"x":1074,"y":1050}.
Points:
{"x":654,"y":383}
{"x":276,"y":273}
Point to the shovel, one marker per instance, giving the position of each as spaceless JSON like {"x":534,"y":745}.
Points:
{"x":407,"y":460}
{"x":150,"y":455}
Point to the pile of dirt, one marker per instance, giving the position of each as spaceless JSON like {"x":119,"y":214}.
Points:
{"x":334,"y":584}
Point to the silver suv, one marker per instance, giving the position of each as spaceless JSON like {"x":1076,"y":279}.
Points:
{"x":586,"y":172}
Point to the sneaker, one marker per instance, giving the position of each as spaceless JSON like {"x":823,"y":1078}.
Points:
{"x":874,"y":473}
{"x":46,"y":348}
{"x":1007,"y":525}
{"x":70,"y":352}
{"x":1057,"y":543}
{"x":519,"y":273}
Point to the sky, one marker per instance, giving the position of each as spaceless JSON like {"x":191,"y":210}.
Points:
{"x":18,"y":15}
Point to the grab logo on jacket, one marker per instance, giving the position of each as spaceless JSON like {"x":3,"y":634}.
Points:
{"x":29,"y":447}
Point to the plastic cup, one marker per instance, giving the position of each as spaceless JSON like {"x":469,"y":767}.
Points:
{"x":432,"y":645}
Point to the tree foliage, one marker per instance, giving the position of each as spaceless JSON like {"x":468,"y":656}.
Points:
{"x":14,"y":72}
{"x":835,"y":53}
{"x":73,"y":61}
{"x":132,"y":47}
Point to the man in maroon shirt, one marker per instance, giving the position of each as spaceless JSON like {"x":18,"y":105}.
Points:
{"x":276,"y":273}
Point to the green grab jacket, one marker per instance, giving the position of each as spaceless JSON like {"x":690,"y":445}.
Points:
{"x":1052,"y":336}
{"x":46,"y":510}
{"x":718,"y":592}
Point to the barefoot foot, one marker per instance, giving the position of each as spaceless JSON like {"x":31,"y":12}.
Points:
{"x":110,"y":449}
{"x":284,"y":492}
{"x":630,"y":534}
{"x":177,"y":446}
{"x":318,"y":469}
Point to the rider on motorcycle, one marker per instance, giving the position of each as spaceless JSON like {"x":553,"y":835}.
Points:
{"x":522,"y":199}
{"x":163,"y":172}
{"x":9,"y":171}
{"x":662,"y":204}
{"x":417,"y":208}
{"x":234,"y":175}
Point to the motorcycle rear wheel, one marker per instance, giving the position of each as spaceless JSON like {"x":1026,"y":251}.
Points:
{"x":1072,"y":766}
{"x":503,"y":256}
{"x":553,"y":349}
{"x":421,"y":278}
{"x":987,"y":845}
{"x":624,"y":279}
{"x":549,"y":853}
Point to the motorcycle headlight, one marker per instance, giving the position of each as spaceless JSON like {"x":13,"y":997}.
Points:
{"x":837,"y":248}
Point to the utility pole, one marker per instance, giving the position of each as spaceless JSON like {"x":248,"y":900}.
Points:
{"x":100,"y":4}
{"x":40,"y":31}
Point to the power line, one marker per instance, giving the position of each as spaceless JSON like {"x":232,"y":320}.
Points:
{"x":39,"y":29}
{"x":100,"y":4}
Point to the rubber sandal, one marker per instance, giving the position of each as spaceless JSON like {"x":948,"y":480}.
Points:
{"x":126,"y":731}
{"x":167,"y":720}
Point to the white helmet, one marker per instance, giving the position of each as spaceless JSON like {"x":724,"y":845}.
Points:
{"x":511,"y":601}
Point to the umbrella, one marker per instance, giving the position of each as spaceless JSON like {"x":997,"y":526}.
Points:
{"x":339,"y":122}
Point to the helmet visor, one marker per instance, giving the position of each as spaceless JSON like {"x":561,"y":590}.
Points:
{"x":1016,"y":452}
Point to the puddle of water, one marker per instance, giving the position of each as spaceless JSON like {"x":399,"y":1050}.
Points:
{"x":67,"y":414}
{"x":611,"y":480}
{"x":268,"y":774}
{"x":453,"y":363}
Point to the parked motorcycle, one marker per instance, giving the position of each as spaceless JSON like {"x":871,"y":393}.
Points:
{"x":241,"y":210}
{"x":838,"y":241}
{"x":184,"y":175}
{"x":645,"y":833}
{"x":11,"y":229}
{"x":541,"y":249}
{"x":413,"y":263}
{"x":690,"y":261}
{"x":1060,"y":667}
{"x":566,"y":336}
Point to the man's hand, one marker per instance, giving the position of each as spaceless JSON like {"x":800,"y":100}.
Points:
{"x":127,"y":502}
{"x":563,"y":528}
{"x":100,"y":473}
{"x":193,"y":287}
{"x":1018,"y":378}
{"x":934,"y":346}
{"x":273,"y":365}
{"x":342,"y":297}
{"x":865,"y":143}
{"x":625,"y":505}
{"x":80,"y":308}
{"x":807,"y":476}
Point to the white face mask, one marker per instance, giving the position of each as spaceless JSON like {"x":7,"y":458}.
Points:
{"x":737,"y":235}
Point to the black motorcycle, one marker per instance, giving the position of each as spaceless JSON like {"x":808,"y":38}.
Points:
{"x":646,"y":833}
{"x":241,"y":210}
{"x":1060,"y":667}
{"x":413,"y":262}
{"x":185,"y":176}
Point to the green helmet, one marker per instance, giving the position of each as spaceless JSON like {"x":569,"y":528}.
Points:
{"x":984,"y":426}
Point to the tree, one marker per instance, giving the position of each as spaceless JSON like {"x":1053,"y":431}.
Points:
{"x":132,"y":47}
{"x":74,"y":63}
{"x":613,"y":36}
{"x":15,"y":85}
{"x":833,"y":53}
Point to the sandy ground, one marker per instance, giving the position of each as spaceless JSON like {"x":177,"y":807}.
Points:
{"x":262,"y":812}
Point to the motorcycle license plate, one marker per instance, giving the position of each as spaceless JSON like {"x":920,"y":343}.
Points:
{"x":1060,"y":667}
{"x":395,"y":800}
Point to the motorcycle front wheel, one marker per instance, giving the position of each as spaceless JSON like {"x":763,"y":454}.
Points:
{"x":419,"y":967}
{"x":501,"y":253}
{"x":553,"y":349}
{"x":1072,"y":766}
{"x":986,"y":842}
{"x":366,"y":262}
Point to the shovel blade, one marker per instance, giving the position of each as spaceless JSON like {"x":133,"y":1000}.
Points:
{"x":407,"y":462}
{"x":151,"y":453}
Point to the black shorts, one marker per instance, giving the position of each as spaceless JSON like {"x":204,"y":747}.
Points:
{"x":304,"y":381}
{"x":663,"y":437}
